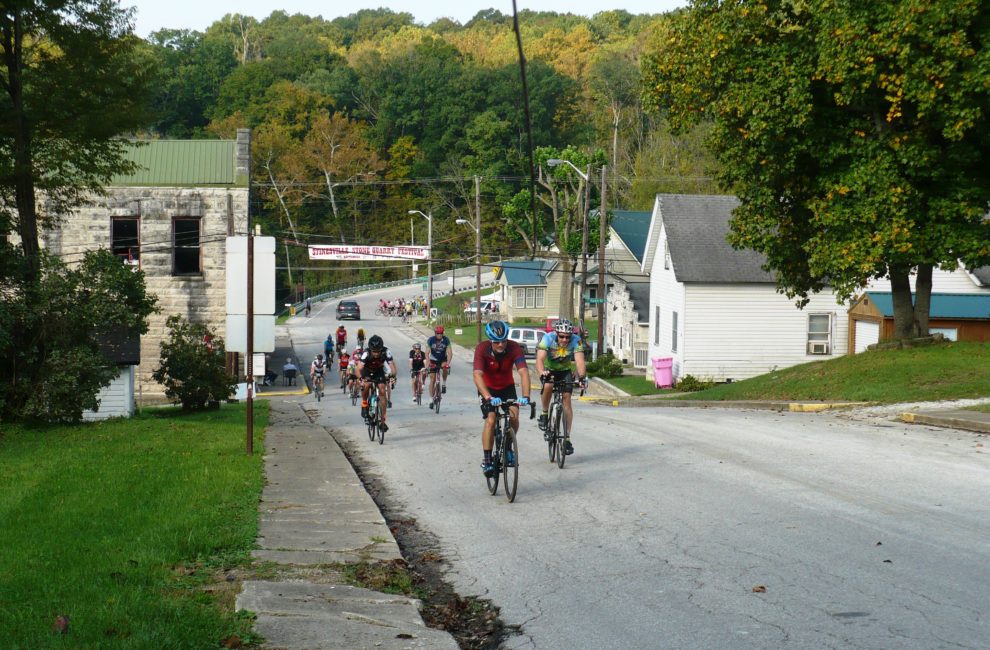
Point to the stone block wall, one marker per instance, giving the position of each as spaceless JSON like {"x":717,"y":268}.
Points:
{"x":198,"y":298}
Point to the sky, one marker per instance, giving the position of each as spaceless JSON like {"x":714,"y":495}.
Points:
{"x":153,"y":15}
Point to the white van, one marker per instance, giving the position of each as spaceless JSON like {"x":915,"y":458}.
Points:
{"x":527,"y":337}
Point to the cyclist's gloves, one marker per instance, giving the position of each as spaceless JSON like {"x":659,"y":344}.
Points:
{"x":523,"y":401}
{"x":545,"y":375}
{"x":583,"y":381}
{"x":495,"y":401}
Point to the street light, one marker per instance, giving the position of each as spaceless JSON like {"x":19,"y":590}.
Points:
{"x":553,"y":162}
{"x":429,"y":260}
{"x":477,"y":261}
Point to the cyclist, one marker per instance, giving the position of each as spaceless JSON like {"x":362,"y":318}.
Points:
{"x":352,"y":368}
{"x":309,"y":306}
{"x":493,"y":364}
{"x":328,"y":349}
{"x":316,"y":370}
{"x":341,"y":335}
{"x":371,"y":368}
{"x":360,"y":337}
{"x":417,"y":363}
{"x":554,"y":354}
{"x":441,"y":354}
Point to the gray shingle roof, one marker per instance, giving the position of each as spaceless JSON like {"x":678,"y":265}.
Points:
{"x":982,"y":274}
{"x":639,"y":292}
{"x":696,"y":228}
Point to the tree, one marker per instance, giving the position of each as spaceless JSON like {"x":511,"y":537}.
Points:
{"x":192,"y":365}
{"x":50,"y":357}
{"x":64,"y":64}
{"x":855,"y":135}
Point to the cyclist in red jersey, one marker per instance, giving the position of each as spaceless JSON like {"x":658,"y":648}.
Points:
{"x":493,"y":365}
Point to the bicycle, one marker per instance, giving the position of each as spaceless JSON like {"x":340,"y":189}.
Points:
{"x":555,"y":435}
{"x":318,"y":386}
{"x":505,"y":452}
{"x":437,"y":390}
{"x":343,"y":380}
{"x":375,"y":414}
{"x":355,"y":393}
{"x":419,"y":377}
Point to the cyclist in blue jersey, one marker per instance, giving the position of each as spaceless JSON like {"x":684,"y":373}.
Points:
{"x":554,"y":355}
{"x":441,"y":354}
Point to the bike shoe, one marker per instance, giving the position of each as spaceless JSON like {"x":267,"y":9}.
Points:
{"x":443,"y":389}
{"x":568,"y":448}
{"x":390,"y":403}
{"x":510,"y":459}
{"x":543,"y":424}
{"x":488,"y":469}
{"x":384,"y":428}
{"x":431,"y":406}
{"x":364,"y":412}
{"x":546,"y":436}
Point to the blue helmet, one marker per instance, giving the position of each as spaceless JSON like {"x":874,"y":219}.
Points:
{"x":497,"y":330}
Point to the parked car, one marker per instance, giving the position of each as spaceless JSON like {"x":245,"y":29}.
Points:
{"x":527,"y":337}
{"x":487,"y":306}
{"x":348,"y":309}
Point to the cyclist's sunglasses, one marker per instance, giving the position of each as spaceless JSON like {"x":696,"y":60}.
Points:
{"x":563,"y":336}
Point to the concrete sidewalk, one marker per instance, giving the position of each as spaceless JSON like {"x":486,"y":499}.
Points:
{"x":315,"y":512}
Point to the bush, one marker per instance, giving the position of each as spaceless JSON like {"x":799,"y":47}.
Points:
{"x":690,"y":384}
{"x":192,"y":365}
{"x":606,"y":365}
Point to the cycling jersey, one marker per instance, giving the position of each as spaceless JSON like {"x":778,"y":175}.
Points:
{"x":345,"y":360}
{"x":373,"y":365}
{"x":341,"y":336}
{"x":418,"y":359}
{"x":438,"y":348}
{"x":318,"y":367}
{"x":559,"y":356}
{"x":497,"y":369}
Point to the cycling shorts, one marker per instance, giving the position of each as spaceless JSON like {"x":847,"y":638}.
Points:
{"x":564,"y":376}
{"x":508,"y":392}
{"x":435,"y":366}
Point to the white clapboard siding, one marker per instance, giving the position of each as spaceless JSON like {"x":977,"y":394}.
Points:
{"x":668,"y":294}
{"x":736,"y":331}
{"x":117,"y":399}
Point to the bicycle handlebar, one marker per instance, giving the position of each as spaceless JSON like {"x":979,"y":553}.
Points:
{"x":506,"y":403}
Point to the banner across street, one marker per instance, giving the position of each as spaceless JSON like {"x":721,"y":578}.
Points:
{"x":350,"y":253}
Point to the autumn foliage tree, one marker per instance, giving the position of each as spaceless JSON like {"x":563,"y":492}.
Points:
{"x":854,"y":134}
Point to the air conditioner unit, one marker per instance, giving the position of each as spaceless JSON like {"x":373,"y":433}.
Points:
{"x":818,"y":348}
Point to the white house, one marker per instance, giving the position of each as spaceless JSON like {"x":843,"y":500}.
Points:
{"x":717,"y":313}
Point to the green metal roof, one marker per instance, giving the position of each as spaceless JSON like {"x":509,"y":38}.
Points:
{"x":632,"y":228}
{"x":944,"y":305}
{"x":182,"y":163}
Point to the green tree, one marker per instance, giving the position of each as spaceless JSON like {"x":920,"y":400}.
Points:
{"x":192,"y":365}
{"x":50,"y":357}
{"x":855,"y":135}
{"x":64,"y":64}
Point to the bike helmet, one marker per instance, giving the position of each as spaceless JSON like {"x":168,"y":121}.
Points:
{"x":358,"y":351}
{"x":319,"y":357}
{"x":563,"y":326}
{"x":417,"y":346}
{"x":497,"y":330}
{"x":438,"y":330}
{"x":376,"y":343}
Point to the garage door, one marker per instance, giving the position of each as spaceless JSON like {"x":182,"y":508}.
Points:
{"x":867,"y":333}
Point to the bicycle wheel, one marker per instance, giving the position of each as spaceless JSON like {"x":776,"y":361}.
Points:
{"x":372,"y":423}
{"x":379,"y":421}
{"x":558,"y":436}
{"x":551,"y":439}
{"x":510,"y":470}
{"x":318,"y":389}
{"x":496,"y":452}
{"x":436,"y":396}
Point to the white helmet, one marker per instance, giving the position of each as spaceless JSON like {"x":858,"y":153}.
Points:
{"x":563,"y":326}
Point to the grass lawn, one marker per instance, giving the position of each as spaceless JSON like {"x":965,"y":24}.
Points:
{"x":636,"y":385}
{"x":127,"y":527}
{"x":983,"y":408}
{"x":937,"y":372}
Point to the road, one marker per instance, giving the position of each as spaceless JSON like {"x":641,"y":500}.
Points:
{"x":695,"y":528}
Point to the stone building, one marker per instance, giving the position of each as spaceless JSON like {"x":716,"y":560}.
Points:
{"x":170,"y":218}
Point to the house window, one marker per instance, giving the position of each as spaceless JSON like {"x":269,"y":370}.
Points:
{"x":950,"y":333}
{"x":819,"y":333}
{"x":673,"y":332}
{"x":124,"y":239}
{"x":666,"y":255}
{"x":531,"y":297}
{"x":521,"y":298}
{"x":656,"y":326}
{"x":186,"y":251}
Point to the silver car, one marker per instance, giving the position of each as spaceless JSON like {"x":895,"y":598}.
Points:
{"x":527,"y":337}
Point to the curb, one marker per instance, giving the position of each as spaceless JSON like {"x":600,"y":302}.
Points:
{"x":946,"y":421}
{"x":792,"y":407}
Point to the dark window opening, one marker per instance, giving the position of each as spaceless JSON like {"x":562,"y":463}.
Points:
{"x":186,"y":258}
{"x":124,"y":239}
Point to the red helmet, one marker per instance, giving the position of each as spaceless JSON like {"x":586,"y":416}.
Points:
{"x":438,"y":330}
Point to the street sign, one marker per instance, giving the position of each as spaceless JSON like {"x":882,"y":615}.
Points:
{"x":595,"y":301}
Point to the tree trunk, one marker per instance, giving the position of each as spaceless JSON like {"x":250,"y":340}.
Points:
{"x":922,"y":299}
{"x":566,"y":271}
{"x":900,"y":292}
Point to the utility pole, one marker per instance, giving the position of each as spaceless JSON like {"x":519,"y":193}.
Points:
{"x":584,"y":248}
{"x":477,"y":251}
{"x":602,"y":222}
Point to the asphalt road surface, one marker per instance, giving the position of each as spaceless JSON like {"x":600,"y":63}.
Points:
{"x":693,"y":528}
